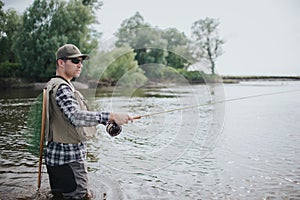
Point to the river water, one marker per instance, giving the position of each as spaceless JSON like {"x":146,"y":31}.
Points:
{"x":245,"y":148}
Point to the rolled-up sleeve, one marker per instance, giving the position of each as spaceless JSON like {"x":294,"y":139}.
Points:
{"x":68,"y":104}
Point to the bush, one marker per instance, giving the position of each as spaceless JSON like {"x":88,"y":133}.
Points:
{"x":10,"y":70}
{"x":193,"y":76}
{"x":133,"y":78}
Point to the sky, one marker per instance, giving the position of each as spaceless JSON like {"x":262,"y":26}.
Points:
{"x":262,"y":37}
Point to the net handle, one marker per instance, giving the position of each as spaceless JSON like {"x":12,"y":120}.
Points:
{"x":42,"y":138}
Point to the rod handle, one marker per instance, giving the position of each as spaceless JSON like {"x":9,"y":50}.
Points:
{"x":137,"y":117}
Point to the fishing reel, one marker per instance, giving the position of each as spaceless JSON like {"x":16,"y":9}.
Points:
{"x":113,"y":129}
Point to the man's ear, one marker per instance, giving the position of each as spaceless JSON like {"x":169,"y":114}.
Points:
{"x":60,"y":63}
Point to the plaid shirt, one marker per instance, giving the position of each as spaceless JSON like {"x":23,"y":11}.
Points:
{"x":61,"y":153}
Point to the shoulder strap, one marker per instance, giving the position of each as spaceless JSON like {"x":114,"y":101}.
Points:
{"x":57,"y":81}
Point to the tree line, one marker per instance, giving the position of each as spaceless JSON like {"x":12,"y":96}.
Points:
{"x":141,"y":52}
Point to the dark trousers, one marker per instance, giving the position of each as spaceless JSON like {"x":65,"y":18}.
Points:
{"x":69,"y":180}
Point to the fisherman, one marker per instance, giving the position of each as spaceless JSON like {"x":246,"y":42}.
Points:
{"x":68,"y":126}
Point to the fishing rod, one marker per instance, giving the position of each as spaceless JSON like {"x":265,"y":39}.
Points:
{"x":114,"y":129}
{"x":212,"y":103}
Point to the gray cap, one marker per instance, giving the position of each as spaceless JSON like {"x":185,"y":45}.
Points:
{"x":70,"y":51}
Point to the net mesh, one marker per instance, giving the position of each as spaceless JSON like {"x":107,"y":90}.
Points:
{"x":34,"y":122}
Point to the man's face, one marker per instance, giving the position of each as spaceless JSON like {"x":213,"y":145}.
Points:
{"x":72,"y":67}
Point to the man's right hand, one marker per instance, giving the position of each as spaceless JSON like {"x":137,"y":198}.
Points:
{"x":120,"y":118}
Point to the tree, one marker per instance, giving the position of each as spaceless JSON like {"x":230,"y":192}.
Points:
{"x":2,"y":18}
{"x":129,"y":30}
{"x":47,"y":25}
{"x":146,"y":41}
{"x":178,"y":45}
{"x":207,"y":40}
{"x":10,"y":21}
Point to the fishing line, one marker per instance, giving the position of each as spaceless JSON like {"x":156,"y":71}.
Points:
{"x":212,"y":103}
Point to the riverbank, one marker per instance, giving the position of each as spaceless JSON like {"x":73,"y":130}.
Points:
{"x":9,"y":83}
{"x":12,"y":83}
{"x":236,"y":79}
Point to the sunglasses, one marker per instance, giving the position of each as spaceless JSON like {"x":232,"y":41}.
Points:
{"x":73,"y":60}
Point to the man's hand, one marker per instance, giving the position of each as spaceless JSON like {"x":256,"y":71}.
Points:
{"x":120,"y":118}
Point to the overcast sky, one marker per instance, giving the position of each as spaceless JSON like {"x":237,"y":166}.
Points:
{"x":262,"y":36}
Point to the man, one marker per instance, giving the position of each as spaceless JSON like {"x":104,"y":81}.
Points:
{"x":67,"y":127}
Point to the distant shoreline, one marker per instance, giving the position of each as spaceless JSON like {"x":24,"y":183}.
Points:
{"x":12,"y":83}
{"x":237,"y":79}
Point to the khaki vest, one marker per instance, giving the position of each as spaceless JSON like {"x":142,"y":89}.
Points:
{"x":57,"y":127}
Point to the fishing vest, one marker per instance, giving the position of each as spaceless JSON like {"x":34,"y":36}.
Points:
{"x":58,"y":128}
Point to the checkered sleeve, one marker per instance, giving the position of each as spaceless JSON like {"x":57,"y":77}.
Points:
{"x":68,"y":104}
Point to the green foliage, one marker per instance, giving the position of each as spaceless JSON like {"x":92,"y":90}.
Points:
{"x":179,"y":55}
{"x":129,"y":30}
{"x":117,"y":67}
{"x":151,"y":55}
{"x":2,"y":18}
{"x":161,"y":73}
{"x":142,"y":51}
{"x":47,"y":25}
{"x":10,"y":70}
{"x":34,"y":122}
{"x":145,"y":40}
{"x":171,"y":74}
{"x":208,"y":44}
{"x":133,"y":78}
{"x":154,"y":48}
{"x":120,"y":65}
{"x":93,"y":3}
{"x":154,"y":72}
{"x":193,"y":76}
{"x":10,"y":22}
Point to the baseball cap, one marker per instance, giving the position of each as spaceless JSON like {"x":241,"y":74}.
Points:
{"x":70,"y":51}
